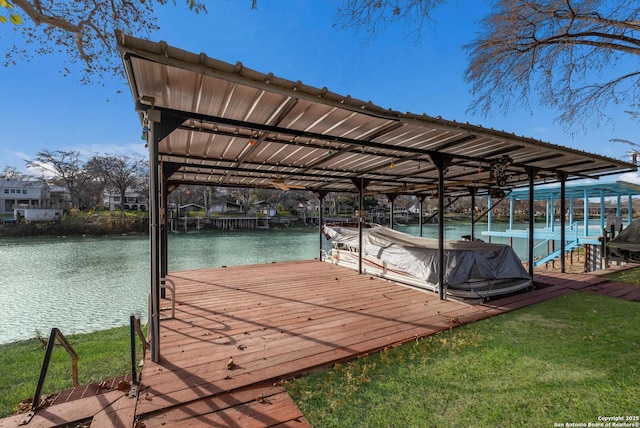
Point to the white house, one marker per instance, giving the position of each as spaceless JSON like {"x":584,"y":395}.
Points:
{"x":37,"y":214}
{"x":264,"y":208}
{"x":135,"y":201}
{"x":29,"y":200}
{"x":30,"y":194}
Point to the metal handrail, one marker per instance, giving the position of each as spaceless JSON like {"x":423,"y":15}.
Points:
{"x":557,"y":235}
{"x":55,"y":334}
{"x":167,"y":284}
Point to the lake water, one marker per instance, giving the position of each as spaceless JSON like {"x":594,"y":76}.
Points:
{"x":82,"y":284}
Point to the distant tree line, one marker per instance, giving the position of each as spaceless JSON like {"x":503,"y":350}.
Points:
{"x":88,"y":180}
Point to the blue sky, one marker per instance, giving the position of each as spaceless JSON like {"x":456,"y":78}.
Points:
{"x":293,"y":39}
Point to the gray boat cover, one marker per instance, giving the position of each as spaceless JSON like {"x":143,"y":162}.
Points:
{"x":465,"y":261}
{"x":627,"y":243}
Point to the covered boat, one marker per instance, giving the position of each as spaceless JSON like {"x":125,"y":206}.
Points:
{"x":472,"y":269}
{"x":626,"y":245}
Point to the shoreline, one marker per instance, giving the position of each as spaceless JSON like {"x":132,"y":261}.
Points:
{"x":114,"y":224}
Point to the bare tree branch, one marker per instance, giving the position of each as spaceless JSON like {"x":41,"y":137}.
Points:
{"x":567,"y":52}
{"x":373,"y":16}
{"x":119,"y":173}
{"x":67,"y":169}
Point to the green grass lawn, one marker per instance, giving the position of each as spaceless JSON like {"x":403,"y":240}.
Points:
{"x":102,"y":355}
{"x":570,"y":359}
{"x":631,"y":276}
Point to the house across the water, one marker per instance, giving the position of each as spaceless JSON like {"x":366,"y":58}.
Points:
{"x":134,"y":201}
{"x":32,"y":200}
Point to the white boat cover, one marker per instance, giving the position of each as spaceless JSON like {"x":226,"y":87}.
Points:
{"x":465,"y":261}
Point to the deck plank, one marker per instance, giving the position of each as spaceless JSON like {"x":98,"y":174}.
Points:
{"x":66,"y":413}
{"x":285,"y":319}
{"x":303,"y":317}
{"x":119,"y":414}
{"x":298,"y":318}
{"x":616,"y":289}
{"x":253,"y":406}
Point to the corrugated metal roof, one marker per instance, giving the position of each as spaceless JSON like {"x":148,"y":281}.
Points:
{"x":228,"y":125}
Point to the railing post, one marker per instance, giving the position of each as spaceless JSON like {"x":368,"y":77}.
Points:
{"x":55,"y":333}
{"x":43,"y":370}
{"x":136,"y":329}
{"x":74,"y":357}
{"x":132,"y":336}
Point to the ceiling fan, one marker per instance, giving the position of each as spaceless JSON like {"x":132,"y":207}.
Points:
{"x":279,"y":183}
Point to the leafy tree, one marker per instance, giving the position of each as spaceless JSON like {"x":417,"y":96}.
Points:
{"x":119,"y":173}
{"x":82,"y":30}
{"x":66,"y":168}
{"x":257,"y":195}
{"x":346,"y":203}
{"x":11,"y":15}
{"x":91,"y":193}
{"x":291,"y":201}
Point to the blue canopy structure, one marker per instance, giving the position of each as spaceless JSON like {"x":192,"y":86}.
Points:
{"x":577,"y":233}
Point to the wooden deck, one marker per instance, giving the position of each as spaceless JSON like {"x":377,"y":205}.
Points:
{"x":275,"y":322}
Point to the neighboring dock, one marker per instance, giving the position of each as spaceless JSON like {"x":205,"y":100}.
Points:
{"x":586,"y":223}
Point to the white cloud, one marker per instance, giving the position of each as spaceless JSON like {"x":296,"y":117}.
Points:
{"x":41,"y":170}
{"x":17,"y":160}
{"x":630,"y":177}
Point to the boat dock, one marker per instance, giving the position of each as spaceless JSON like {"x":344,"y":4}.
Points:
{"x":575,"y":235}
{"x":608,"y":216}
{"x":220,"y":223}
{"x":275,"y":322}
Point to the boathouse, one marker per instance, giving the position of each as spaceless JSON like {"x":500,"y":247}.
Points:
{"x":208,"y":122}
{"x":222,"y":205}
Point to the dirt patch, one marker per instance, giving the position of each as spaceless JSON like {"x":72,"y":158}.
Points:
{"x":574,"y":263}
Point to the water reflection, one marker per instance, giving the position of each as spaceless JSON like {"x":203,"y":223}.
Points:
{"x":83,"y":284}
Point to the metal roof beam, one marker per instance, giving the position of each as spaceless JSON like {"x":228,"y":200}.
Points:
{"x":321,"y":177}
{"x":306,"y":134}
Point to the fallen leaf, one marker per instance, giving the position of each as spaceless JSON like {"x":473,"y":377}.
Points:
{"x":230,"y":364}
